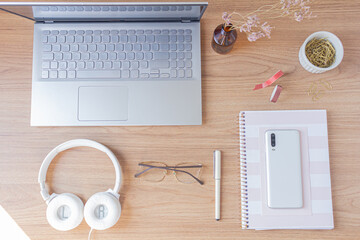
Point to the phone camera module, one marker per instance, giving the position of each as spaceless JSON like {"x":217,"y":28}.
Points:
{"x":273,"y":143}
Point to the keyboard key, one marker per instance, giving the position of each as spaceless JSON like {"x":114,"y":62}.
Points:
{"x":106,"y":39}
{"x":61,"y":39}
{"x":188,"y":64}
{"x":94,"y":56}
{"x":53,"y":65}
{"x":116,"y":65}
{"x":107,"y":65}
{"x":137,"y":47}
{"x":132,"y":38}
{"x":47,"y":48}
{"x":157,"y":31}
{"x":67,"y":56}
{"x":181,"y":47}
{"x":46,"y":32}
{"x":63,"y":32}
{"x":52,"y":39}
{"x":134,"y":64}
{"x":188,"y":47}
{"x":48,"y":56}
{"x":85,"y":56}
{"x":119,"y":47}
{"x":44,"y":39}
{"x":110,"y":47}
{"x":164,"y":47}
{"x":180,"y":64}
{"x":188,"y":31}
{"x":103,"y":56}
{"x":45,"y":74}
{"x":181,"y":73}
{"x":162,"y":38}
{"x":164,"y":75}
{"x":155,"y":47}
{"x":71,"y":74}
{"x":180,"y":38}
{"x":173,"y":47}
{"x":144,"y":75}
{"x":139,"y":56}
{"x":101,"y":48}
{"x":121,"y":56}
{"x":123,"y":38}
{"x":70,"y":39}
{"x":148,"y":31}
{"x":141,"y":38}
{"x":88,"y":39}
{"x":188,"y":55}
{"x":62,"y":65}
{"x":150,"y":38}
{"x":148,"y":56}
{"x":76,"y":56}
{"x":79,"y":39}
{"x":131,"y":32}
{"x":97,"y":39}
{"x":144,"y":64}
{"x":46,"y":65}
{"x":161,"y":55}
{"x":54,"y":32}
{"x":159,"y":64}
{"x":188,"y":38}
{"x":173,"y":55}
{"x":173,"y":73}
{"x":99,"y":65}
{"x":80,"y":32}
{"x":53,"y":74}
{"x":125,"y":73}
{"x":90,"y":65}
{"x":154,"y":75}
{"x":72,"y":32}
{"x":83,"y":47}
{"x":66,"y":48}
{"x":115,"y":39}
{"x":72,"y":65}
{"x":131,"y":56}
{"x":139,"y":32}
{"x":134,"y":73}
{"x":62,"y":74}
{"x":126,"y":64}
{"x":173,"y":64}
{"x":180,"y":31}
{"x":81,"y":65}
{"x":99,"y":74}
{"x":188,"y":73}
{"x":112,"y":55}
{"x":128,"y":47}
{"x":114,"y":32}
{"x":146,"y":47}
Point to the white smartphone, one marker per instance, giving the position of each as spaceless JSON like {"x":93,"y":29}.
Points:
{"x":283,"y":168}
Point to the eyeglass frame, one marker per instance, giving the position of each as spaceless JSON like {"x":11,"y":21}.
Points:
{"x":170,"y":168}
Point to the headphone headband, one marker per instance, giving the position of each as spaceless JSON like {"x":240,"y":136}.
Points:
{"x":72,"y":144}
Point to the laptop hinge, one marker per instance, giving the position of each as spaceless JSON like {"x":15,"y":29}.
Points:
{"x":185,"y":20}
{"x":48,"y":21}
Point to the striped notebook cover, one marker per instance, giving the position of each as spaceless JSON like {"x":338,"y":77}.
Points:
{"x":317,"y":212}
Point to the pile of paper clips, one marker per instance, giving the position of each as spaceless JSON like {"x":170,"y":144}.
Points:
{"x":317,"y":89}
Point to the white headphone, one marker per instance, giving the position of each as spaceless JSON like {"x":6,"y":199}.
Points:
{"x":65,"y":211}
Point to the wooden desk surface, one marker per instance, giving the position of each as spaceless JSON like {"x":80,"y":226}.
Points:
{"x":170,"y":210}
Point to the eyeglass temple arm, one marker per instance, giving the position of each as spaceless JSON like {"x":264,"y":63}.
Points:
{"x":143,"y":171}
{"x":198,"y":180}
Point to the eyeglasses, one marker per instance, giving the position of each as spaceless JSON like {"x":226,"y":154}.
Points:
{"x":156,"y":172}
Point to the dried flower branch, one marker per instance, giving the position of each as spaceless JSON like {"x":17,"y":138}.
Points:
{"x":255,"y":24}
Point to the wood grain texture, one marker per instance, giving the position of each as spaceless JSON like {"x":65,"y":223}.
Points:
{"x":169,"y":210}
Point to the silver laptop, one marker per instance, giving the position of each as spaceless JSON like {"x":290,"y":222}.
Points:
{"x":100,"y":64}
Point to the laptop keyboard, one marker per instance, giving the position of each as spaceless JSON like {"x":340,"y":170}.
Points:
{"x":117,"y":54}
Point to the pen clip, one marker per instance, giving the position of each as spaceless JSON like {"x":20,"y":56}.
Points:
{"x":214,"y":164}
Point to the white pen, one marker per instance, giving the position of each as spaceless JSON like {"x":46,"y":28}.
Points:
{"x":217,"y":177}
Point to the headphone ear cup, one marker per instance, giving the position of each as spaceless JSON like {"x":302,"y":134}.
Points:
{"x":102,"y":211}
{"x":65,"y":212}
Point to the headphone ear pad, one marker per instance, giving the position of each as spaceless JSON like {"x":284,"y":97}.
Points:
{"x":65,"y":212}
{"x":102,"y":211}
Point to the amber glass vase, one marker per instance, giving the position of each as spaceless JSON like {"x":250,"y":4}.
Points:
{"x":224,"y":39}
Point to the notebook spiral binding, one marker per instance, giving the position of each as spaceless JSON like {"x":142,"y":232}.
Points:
{"x":243,"y":174}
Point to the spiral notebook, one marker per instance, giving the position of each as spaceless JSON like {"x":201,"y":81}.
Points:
{"x":317,"y":212}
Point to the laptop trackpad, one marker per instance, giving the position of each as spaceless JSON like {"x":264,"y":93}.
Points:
{"x":103,"y":104}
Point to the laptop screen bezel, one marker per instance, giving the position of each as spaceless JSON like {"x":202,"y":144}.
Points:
{"x":202,"y":5}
